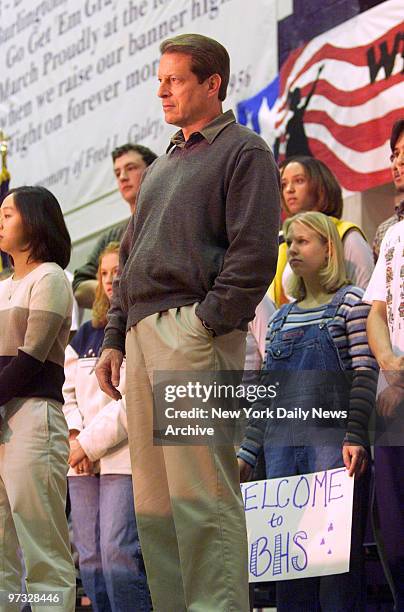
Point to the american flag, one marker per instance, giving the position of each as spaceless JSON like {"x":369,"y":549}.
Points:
{"x":337,"y":97}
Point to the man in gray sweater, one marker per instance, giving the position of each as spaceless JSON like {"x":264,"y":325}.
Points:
{"x":197,"y":257}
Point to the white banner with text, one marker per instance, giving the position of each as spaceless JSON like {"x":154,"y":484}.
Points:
{"x":79,"y":78}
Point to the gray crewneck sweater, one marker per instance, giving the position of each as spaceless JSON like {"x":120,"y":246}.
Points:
{"x":205,"y":230}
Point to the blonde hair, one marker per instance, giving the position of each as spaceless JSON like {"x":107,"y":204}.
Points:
{"x":101,"y":302}
{"x":333,"y":275}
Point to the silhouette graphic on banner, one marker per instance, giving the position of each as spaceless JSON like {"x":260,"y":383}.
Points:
{"x":296,"y":139}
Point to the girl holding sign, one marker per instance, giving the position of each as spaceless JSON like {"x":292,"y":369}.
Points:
{"x":320,"y":337}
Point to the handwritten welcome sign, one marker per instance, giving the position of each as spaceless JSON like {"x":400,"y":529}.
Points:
{"x":299,"y":526}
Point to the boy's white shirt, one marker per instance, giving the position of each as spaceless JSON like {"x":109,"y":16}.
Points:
{"x":391,"y":254}
{"x":392,"y":293}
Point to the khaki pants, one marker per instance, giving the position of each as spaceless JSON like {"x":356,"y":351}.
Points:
{"x":33,"y":467}
{"x":188,"y":503}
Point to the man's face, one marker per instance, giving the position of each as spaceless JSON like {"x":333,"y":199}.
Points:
{"x":184,"y":99}
{"x":128,"y":169}
{"x":397,"y":163}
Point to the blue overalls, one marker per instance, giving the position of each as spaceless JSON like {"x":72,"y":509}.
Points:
{"x":289,"y":451}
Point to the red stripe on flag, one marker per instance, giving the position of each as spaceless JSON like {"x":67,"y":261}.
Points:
{"x":352,"y":98}
{"x":347,"y":177}
{"x":288,"y":65}
{"x":361,"y":137}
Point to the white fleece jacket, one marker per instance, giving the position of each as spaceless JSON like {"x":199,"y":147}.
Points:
{"x":101,"y":421}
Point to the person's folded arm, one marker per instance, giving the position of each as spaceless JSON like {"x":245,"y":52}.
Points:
{"x":85,"y":278}
{"x":379,"y":338}
{"x":358,"y":259}
{"x":88,"y":271}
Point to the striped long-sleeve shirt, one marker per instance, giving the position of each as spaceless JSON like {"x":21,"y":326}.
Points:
{"x":35,"y":318}
{"x":348,"y":331}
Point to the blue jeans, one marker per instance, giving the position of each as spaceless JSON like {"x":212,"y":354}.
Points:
{"x":105,"y":534}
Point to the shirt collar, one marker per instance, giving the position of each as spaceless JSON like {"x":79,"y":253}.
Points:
{"x":209,"y":132}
